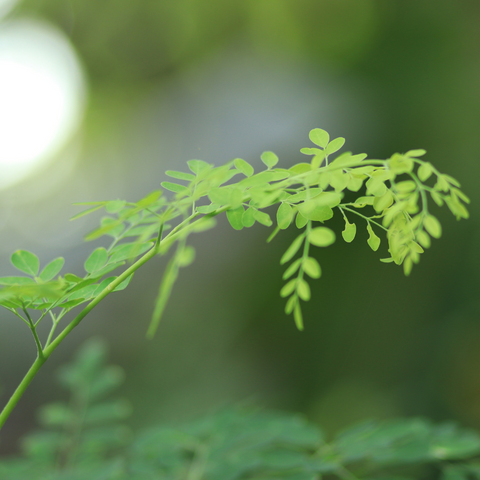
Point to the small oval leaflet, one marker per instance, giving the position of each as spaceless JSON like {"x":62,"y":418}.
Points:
{"x":425,"y":171}
{"x":288,"y":288}
{"x":235,"y":217}
{"x":292,"y":269}
{"x":52,"y":269}
{"x":319,"y":137}
{"x":312,"y":267}
{"x":174,"y":187}
{"x":269,"y":159}
{"x":432,"y":226}
{"x":180,"y":175}
{"x":115,"y":206}
{"x":373,"y":241}
{"x":262,"y":217}
{"x":350,"y":231}
{"x":248,"y":219}
{"x":26,"y":262}
{"x":284,"y":215}
{"x":303,"y":290}
{"x":97,"y":259}
{"x":335,"y":145}
{"x":321,"y":237}
{"x":292,"y":249}
{"x":244,"y":167}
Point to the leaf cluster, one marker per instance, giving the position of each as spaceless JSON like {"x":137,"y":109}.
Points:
{"x":393,"y":199}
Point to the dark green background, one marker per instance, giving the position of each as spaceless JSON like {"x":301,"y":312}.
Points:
{"x":173,"y":80}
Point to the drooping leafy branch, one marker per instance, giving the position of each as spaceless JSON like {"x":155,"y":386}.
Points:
{"x":396,"y":196}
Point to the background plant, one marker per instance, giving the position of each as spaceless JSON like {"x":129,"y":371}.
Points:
{"x":306,"y":193}
{"x":84,"y":438}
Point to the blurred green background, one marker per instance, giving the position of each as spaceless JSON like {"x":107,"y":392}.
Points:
{"x":166,"y":81}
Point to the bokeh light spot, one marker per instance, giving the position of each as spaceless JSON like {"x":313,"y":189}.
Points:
{"x":42,"y":96}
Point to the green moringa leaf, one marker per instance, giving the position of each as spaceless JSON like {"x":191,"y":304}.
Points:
{"x":319,"y":137}
{"x":303,"y":290}
{"x":248,"y":218}
{"x":432,"y":226}
{"x":350,"y":231}
{"x":235,"y":217}
{"x":335,"y":145}
{"x":373,"y":241}
{"x":292,"y":268}
{"x":244,"y":167}
{"x":292,"y":249}
{"x":424,"y":171}
{"x":263,"y":218}
{"x":284,"y":215}
{"x":269,"y":159}
{"x":321,"y":237}
{"x":175,"y":187}
{"x":180,"y":175}
{"x":115,"y":206}
{"x":26,"y":262}
{"x":312,"y":268}
{"x":52,"y":269}
{"x":97,"y":259}
{"x":288,"y":288}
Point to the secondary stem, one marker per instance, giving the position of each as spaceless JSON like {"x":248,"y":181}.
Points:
{"x":45,"y":354}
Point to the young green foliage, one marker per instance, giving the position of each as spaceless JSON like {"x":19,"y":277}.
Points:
{"x":307,"y":194}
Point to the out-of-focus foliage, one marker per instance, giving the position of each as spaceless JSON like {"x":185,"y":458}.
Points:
{"x":139,"y":41}
{"x":85,"y":439}
{"x":413,"y":65}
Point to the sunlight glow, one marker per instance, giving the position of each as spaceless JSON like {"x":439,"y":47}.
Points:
{"x":42,"y":96}
{"x":6,"y":6}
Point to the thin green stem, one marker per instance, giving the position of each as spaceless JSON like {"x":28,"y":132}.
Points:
{"x":14,"y":399}
{"x":34,"y":333}
{"x":368,"y":219}
{"x":19,"y":316}
{"x":106,"y":291}
{"x":44,"y":354}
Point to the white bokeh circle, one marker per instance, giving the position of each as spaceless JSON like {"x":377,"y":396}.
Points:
{"x":42,"y":96}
